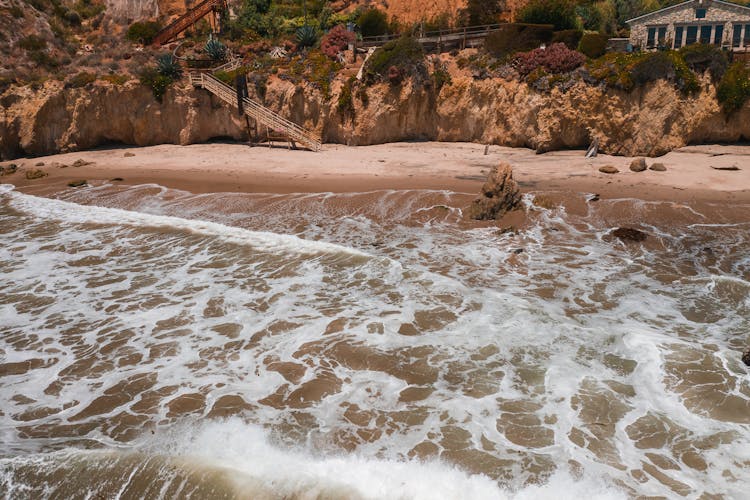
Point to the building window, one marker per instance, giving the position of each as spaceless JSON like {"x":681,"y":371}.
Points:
{"x":747,"y":35}
{"x":706,"y":33}
{"x":678,"y":36}
{"x":651,"y":42}
{"x":718,"y":34}
{"x":692,"y":35}
{"x":736,"y":35}
{"x":700,"y":13}
{"x":662,"y":35}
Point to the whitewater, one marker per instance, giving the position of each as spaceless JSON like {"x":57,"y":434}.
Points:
{"x":156,"y":344}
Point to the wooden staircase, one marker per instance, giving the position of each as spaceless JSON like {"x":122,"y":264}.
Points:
{"x":260,"y":114}
{"x":188,"y":19}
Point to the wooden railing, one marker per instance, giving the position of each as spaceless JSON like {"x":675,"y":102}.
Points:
{"x":442,"y":36}
{"x":260,"y":114}
{"x":188,"y":19}
{"x":231,"y":65}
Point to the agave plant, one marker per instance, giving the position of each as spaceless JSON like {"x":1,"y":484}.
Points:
{"x":307,"y":36}
{"x":216,"y":50}
{"x":167,"y":65}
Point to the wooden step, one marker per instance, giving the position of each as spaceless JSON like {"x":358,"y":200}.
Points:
{"x":257,"y":112}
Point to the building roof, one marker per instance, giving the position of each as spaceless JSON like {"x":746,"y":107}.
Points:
{"x":655,"y":13}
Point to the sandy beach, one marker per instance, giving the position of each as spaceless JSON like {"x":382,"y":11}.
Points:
{"x":692,"y":172}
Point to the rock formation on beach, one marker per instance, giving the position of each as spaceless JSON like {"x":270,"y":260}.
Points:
{"x":500,"y":194}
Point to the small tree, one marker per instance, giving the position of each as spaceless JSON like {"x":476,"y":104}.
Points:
{"x":559,"y":13}
{"x":373,"y":22}
{"x":734,"y":88}
{"x":481,"y":12}
{"x":143,"y":32}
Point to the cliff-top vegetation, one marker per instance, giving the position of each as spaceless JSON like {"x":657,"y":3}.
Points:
{"x":553,"y":45}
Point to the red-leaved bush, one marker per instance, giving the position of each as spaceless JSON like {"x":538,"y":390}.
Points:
{"x":336,"y":40}
{"x":557,"y":58}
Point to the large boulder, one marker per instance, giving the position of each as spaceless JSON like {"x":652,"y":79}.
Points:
{"x":500,"y":194}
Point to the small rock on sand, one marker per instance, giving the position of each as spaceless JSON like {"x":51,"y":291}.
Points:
{"x":638,"y":165}
{"x":129,"y":154}
{"x":746,"y":357}
{"x":79,"y":183}
{"x":658,"y":167}
{"x":35,"y":174}
{"x":39,"y":164}
{"x":608,"y":169}
{"x":81,"y":163}
{"x":8,"y":169}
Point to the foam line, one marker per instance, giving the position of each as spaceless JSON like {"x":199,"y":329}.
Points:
{"x":83,"y":214}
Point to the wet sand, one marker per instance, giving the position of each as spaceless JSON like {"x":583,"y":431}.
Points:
{"x":460,"y":167}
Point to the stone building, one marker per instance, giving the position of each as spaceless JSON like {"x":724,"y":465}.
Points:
{"x":696,"y":21}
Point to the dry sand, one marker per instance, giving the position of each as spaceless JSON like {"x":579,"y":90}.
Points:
{"x":459,"y":167}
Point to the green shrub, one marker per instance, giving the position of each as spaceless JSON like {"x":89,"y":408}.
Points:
{"x":168,"y":65}
{"x":33,"y":42}
{"x":559,"y":13}
{"x":229,"y":77}
{"x":734,"y":88}
{"x":216,"y":50}
{"x":373,"y":22}
{"x":593,"y":45}
{"x":441,"y":77}
{"x":143,"y":32}
{"x":42,"y":58}
{"x":73,"y":18}
{"x":345,"y":105}
{"x":512,"y":38}
{"x":480,"y":12}
{"x":80,"y":80}
{"x":702,"y":57}
{"x":363,"y":96}
{"x":316,"y":68}
{"x":89,"y":8}
{"x":665,"y":65}
{"x":307,"y":36}
{"x":116,"y":79}
{"x":158,"y":83}
{"x":628,"y":71}
{"x":404,"y":54}
{"x":260,"y":82}
{"x":570,"y":38}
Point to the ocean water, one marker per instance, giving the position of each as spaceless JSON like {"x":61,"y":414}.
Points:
{"x":159,"y":344}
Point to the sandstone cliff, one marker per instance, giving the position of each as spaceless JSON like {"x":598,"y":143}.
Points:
{"x":648,"y":122}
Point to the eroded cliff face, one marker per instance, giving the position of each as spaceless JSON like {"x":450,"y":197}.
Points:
{"x":648,"y":122}
{"x":55,"y":119}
